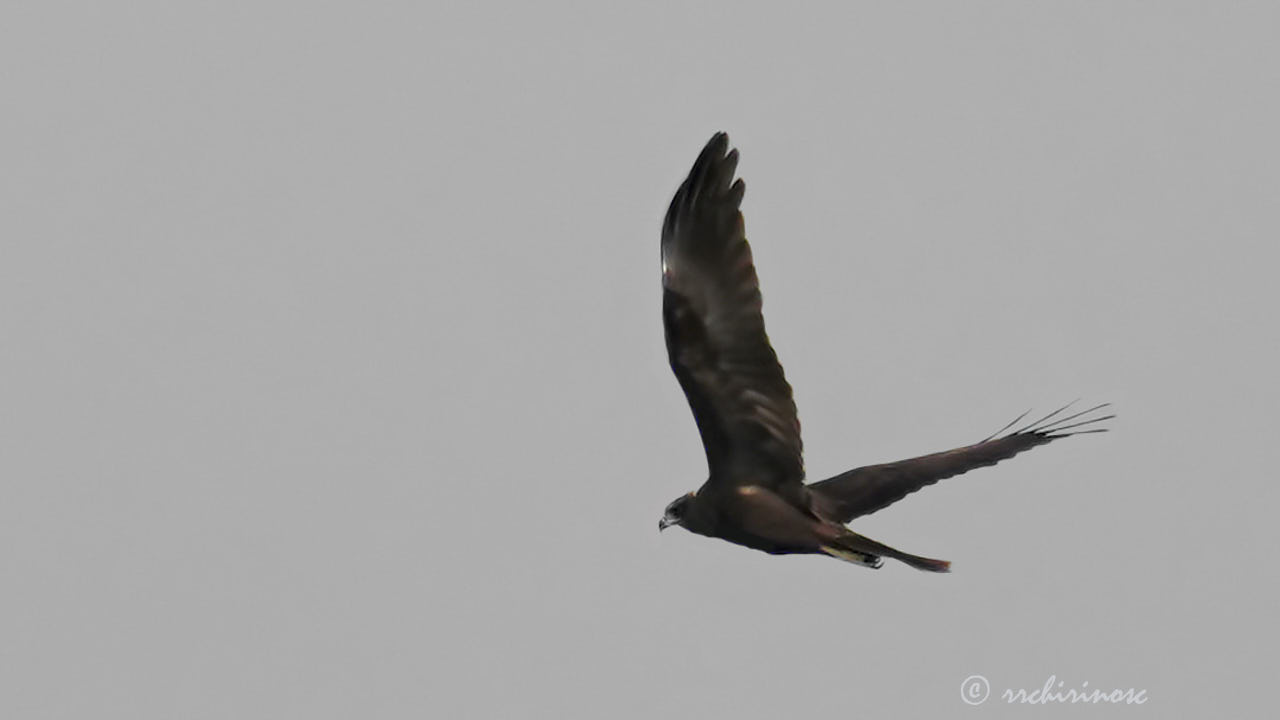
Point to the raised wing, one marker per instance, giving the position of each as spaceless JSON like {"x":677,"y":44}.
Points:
{"x":867,"y":489}
{"x":715,"y":333}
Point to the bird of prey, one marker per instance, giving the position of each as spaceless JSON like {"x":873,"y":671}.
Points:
{"x":755,"y":494}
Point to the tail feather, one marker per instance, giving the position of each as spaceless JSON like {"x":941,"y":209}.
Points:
{"x":853,"y":556}
{"x":855,"y":548}
{"x":924,"y":563}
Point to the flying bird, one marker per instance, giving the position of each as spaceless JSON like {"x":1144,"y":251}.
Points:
{"x":755,"y":494}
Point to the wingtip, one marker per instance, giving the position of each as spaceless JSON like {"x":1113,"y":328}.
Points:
{"x":1050,"y":426}
{"x":712,"y":173}
{"x":717,"y":146}
{"x":1057,"y":426}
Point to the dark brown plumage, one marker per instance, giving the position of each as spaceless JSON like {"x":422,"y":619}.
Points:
{"x":755,"y":493}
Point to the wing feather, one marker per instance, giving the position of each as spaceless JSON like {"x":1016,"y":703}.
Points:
{"x":864,"y":490}
{"x":716,"y":340}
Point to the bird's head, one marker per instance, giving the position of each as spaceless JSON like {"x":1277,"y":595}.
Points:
{"x":676,"y":512}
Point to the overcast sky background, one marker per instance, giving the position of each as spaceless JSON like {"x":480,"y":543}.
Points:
{"x":332,"y":380}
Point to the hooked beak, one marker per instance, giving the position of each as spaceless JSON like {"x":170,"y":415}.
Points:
{"x":664,"y":523}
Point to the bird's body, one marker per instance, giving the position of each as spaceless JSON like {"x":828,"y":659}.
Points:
{"x":755,"y":494}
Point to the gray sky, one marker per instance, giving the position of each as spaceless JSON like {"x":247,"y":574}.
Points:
{"x":333,"y":379}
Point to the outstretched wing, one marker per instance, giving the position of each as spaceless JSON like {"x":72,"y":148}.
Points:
{"x":865,"y":490}
{"x":715,"y":333}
